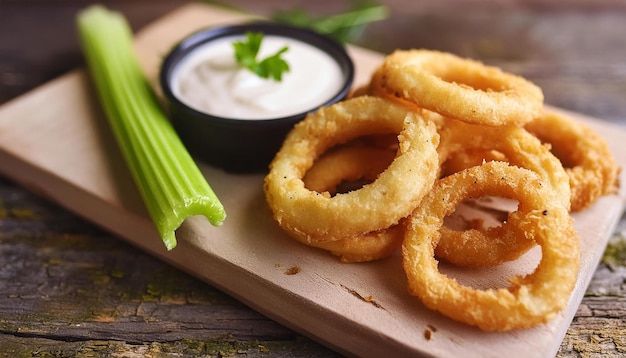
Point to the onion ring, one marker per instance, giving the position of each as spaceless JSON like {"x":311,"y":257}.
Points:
{"x":364,"y":248}
{"x":518,"y":146}
{"x":314,"y":217}
{"x":480,"y":247}
{"x":469,"y":158}
{"x":377,"y":87}
{"x":458,"y":88}
{"x":530,"y":300}
{"x":585,"y":155}
{"x":354,"y":163}
{"x":347,"y":164}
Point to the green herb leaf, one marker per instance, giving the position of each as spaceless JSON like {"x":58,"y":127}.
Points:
{"x":169,"y":181}
{"x":344,"y":27}
{"x":246,"y":53}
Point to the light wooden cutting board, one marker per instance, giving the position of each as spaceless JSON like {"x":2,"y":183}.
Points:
{"x":55,"y":141}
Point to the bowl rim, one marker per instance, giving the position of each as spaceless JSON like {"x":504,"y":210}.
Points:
{"x":184,"y":47}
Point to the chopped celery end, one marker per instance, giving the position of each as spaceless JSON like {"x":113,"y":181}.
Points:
{"x":172,"y":186}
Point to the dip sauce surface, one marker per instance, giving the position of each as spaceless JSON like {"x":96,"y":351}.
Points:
{"x":209,"y":80}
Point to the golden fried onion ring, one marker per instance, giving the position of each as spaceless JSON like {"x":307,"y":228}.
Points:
{"x":371,"y":246}
{"x":530,"y":300}
{"x":585,"y":155}
{"x":347,"y":164}
{"x":354,"y":163}
{"x":315,"y":217}
{"x":469,"y":158}
{"x":518,"y":146}
{"x":482,"y":247}
{"x":458,"y":88}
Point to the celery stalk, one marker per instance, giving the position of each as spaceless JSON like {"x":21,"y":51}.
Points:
{"x":169,"y":181}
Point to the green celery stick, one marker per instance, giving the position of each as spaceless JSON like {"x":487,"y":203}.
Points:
{"x":171,"y":184}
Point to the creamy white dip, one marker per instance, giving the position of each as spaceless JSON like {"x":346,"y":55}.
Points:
{"x":209,"y":80}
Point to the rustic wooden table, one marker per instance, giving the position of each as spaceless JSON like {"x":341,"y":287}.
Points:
{"x":68,"y":288}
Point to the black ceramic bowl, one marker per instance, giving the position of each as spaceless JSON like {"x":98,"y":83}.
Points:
{"x":238,"y":144}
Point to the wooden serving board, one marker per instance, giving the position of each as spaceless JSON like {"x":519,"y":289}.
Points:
{"x":55,"y":141}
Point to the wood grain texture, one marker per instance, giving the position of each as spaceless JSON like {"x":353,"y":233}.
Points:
{"x":166,"y":311}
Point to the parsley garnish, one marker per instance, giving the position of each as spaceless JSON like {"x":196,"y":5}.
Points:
{"x":246,"y":55}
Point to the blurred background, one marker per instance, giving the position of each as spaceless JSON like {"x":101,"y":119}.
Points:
{"x":581,"y":41}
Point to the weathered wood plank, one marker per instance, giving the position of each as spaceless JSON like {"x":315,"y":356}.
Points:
{"x":67,"y":286}
{"x":58,"y":272}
